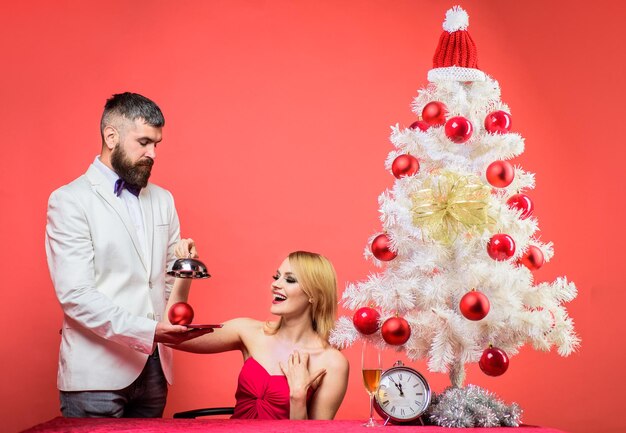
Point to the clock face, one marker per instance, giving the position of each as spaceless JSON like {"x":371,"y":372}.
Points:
{"x":403,"y":394}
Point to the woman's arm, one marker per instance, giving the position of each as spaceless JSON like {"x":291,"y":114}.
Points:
{"x":221,"y":339}
{"x":332,"y":389}
{"x":229,"y":337}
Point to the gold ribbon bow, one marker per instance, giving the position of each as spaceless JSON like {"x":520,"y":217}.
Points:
{"x":449,"y":203}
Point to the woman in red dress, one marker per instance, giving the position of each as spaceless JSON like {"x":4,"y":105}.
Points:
{"x":290,"y":371}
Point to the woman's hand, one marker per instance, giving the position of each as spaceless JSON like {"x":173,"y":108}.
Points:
{"x":186,"y":248}
{"x":298,"y":376}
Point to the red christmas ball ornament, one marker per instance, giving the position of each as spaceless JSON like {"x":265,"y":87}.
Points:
{"x":405,"y":165}
{"x":521,"y":202}
{"x":500,"y":174}
{"x":396,"y":331}
{"x":494,"y":361}
{"x":180,"y":313}
{"x":498,"y":122}
{"x":459,"y":129}
{"x":434,"y":113}
{"x":532,"y":258}
{"x":365,"y":320}
{"x":419,"y":124}
{"x":474,"y":305}
{"x":501,"y":247}
{"x":381,"y":248}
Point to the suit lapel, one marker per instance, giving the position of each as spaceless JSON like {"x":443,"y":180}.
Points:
{"x":102,"y":188}
{"x":145,"y":201}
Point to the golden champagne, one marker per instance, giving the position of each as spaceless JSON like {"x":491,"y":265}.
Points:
{"x":371,"y":379}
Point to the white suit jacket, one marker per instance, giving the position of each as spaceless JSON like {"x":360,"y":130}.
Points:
{"x":111,"y":293}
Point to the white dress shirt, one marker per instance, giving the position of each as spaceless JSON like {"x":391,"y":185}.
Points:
{"x":130,"y":200}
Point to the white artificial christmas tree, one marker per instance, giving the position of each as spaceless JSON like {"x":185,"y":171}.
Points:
{"x":459,"y":243}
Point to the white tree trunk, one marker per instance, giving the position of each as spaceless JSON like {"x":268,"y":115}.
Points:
{"x":457,"y":375}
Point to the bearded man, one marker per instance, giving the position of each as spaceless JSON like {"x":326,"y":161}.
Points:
{"x":110,"y":237}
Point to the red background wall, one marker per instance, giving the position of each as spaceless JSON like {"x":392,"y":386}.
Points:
{"x":278,"y":116}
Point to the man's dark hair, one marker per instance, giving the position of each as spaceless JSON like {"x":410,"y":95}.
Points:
{"x":132,"y":106}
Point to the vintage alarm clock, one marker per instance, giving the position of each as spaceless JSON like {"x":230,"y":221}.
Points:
{"x":403,"y":395}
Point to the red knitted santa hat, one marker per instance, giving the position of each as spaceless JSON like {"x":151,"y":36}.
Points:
{"x":456,"y":57}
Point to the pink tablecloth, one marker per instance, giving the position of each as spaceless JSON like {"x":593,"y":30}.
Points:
{"x":106,"y":425}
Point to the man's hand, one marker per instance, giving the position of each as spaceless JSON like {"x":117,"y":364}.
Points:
{"x":186,"y":248}
{"x":176,"y":334}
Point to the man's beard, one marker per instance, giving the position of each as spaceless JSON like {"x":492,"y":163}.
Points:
{"x":135,"y":174}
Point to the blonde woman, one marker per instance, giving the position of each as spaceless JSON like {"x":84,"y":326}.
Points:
{"x":290,"y":371}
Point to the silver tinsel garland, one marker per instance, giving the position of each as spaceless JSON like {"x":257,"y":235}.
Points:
{"x":471,"y":406}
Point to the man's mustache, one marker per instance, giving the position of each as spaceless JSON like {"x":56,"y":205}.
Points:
{"x":148,"y":162}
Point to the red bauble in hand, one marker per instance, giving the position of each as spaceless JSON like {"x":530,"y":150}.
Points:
{"x":498,"y":122}
{"x":521,"y":202}
{"x":459,"y":129}
{"x":396,"y":331}
{"x":434,"y":113}
{"x":500,"y":174}
{"x":419,"y":124}
{"x":494,"y":361}
{"x":405,"y":165}
{"x":366,"y":320}
{"x":474,"y":305}
{"x":180,"y":313}
{"x":501,"y":247}
{"x":381,"y":248}
{"x":532,"y":258}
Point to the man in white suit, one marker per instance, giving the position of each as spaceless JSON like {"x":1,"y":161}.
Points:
{"x":110,"y":238}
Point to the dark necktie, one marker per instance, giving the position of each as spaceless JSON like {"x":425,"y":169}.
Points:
{"x":120,"y":184}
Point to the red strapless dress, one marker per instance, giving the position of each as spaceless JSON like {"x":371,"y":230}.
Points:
{"x":261,"y":395}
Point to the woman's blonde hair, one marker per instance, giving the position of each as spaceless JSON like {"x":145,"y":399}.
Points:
{"x":318,"y":280}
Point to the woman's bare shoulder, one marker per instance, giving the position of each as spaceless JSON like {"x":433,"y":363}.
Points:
{"x":334,"y":359}
{"x":244,"y":324}
{"x":251,"y":330}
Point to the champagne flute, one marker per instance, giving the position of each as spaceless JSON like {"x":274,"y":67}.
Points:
{"x":372,"y":368}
